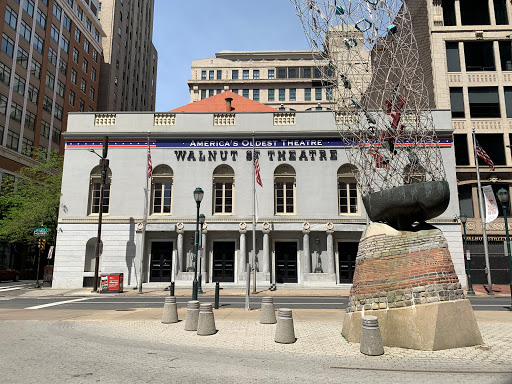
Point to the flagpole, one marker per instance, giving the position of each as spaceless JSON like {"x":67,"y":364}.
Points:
{"x":253,"y":214}
{"x":145,"y":218}
{"x":484,"y":229}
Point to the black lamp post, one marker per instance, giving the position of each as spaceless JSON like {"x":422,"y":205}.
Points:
{"x":198,"y":196}
{"x":463,"y":220}
{"x":504,"y":199}
{"x":202,"y":219}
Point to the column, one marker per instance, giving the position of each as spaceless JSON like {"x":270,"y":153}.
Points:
{"x":330,"y":252}
{"x":180,"y":262}
{"x":266,"y":250}
{"x":242,"y":259}
{"x":204,"y":261}
{"x":306,"y":254}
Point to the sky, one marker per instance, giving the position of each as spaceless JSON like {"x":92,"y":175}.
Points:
{"x":184,"y":31}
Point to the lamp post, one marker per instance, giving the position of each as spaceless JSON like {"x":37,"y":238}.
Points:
{"x":463,"y":220}
{"x":504,"y":199}
{"x":198,"y":196}
{"x":202,"y":219}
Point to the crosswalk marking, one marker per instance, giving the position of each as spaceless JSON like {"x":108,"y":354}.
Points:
{"x":59,"y":303}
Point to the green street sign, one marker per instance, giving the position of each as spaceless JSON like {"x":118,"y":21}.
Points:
{"x":41,"y":232}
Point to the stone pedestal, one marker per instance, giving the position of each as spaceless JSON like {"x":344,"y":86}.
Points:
{"x":407,"y":280}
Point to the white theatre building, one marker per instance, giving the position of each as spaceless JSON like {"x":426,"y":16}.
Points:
{"x":310,"y":214}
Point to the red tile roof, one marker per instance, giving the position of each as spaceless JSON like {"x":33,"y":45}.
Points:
{"x":217,"y":103}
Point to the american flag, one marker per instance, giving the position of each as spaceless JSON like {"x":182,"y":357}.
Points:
{"x":257,"y":170}
{"x":150,"y":165}
{"x":480,"y":152}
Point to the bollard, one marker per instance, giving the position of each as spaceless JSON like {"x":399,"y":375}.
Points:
{"x":268,"y":313}
{"x":192,"y":315}
{"x":217,"y":288}
{"x":170,"y":313}
{"x":285,"y":333}
{"x":171,"y":290}
{"x":206,"y":321}
{"x":371,"y":340}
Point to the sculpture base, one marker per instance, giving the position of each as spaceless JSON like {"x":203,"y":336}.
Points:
{"x":427,"y":327}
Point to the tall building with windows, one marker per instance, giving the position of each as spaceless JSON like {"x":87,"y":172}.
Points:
{"x":285,"y":80}
{"x":49,"y":65}
{"x":129,"y":66}
{"x":465,"y":49}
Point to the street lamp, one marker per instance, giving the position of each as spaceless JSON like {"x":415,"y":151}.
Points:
{"x":198,"y":196}
{"x":202,"y":219}
{"x":463,"y":220}
{"x":504,"y":199}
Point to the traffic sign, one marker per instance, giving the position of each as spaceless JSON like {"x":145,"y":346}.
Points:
{"x":41,"y":232}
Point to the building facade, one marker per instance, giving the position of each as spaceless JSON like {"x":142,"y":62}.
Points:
{"x":129,"y":67}
{"x":309,"y":213}
{"x":465,"y":49}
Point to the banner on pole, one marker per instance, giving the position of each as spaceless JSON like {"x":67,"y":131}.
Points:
{"x":491,"y":208}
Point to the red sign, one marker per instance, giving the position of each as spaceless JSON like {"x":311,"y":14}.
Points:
{"x":112,"y":283}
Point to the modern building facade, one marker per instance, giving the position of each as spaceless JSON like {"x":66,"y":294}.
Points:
{"x":129,"y":66}
{"x":465,"y":49}
{"x":309,"y":213}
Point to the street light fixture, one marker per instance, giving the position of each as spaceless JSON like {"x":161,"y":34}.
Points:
{"x":463,"y":219}
{"x":504,"y":199}
{"x":202,"y":219}
{"x":198,"y":197}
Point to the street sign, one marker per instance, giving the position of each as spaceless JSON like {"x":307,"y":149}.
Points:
{"x":468,"y":255}
{"x":41,"y":232}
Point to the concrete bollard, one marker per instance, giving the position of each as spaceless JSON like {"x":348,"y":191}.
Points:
{"x":371,"y":340}
{"x":192,"y":315}
{"x":170,"y":313}
{"x":268,"y":313}
{"x":285,"y":333}
{"x":206,"y":322}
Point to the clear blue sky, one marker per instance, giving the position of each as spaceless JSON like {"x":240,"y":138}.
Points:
{"x":184,"y":31}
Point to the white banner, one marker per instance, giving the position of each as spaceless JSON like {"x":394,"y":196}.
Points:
{"x":491,"y":208}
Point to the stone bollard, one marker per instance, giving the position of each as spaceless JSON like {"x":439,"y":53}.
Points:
{"x":206,"y":322}
{"x":284,"y":331}
{"x":192,"y":315}
{"x":371,"y":340}
{"x":170,"y":314}
{"x":268,"y":313}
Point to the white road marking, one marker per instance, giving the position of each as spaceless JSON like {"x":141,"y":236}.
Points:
{"x":59,"y":303}
{"x":10,"y":289}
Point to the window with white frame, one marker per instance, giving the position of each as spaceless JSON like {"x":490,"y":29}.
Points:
{"x":94,"y":191}
{"x":223,"y":190}
{"x":161,"y":190}
{"x":348,"y":198}
{"x":284,"y":190}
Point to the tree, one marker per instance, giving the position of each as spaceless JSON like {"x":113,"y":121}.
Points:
{"x":31,"y":200}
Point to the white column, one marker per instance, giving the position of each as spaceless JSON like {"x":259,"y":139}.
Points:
{"x":179,"y":260}
{"x":266,"y":251}
{"x":242,"y":260}
{"x":306,"y":254}
{"x":330,"y":252}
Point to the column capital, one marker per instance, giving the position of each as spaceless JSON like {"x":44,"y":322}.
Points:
{"x":180,"y":228}
{"x":266,"y":227}
{"x":242,"y":227}
{"x":329,"y":226}
{"x":204,"y":228}
{"x":306,"y":228}
{"x":330,"y":231}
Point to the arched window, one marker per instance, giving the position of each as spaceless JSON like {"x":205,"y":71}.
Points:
{"x":223,"y":190}
{"x":161,"y":190}
{"x":284,"y":190}
{"x":414,"y":173}
{"x":94,"y":191}
{"x":348,"y":195}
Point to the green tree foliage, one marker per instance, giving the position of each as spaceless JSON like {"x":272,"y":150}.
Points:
{"x":31,"y":200}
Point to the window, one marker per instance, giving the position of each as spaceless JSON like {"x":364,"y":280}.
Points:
{"x":83,"y":85}
{"x":5,"y":74}
{"x":494,"y":145}
{"x":25,"y":31}
{"x":91,"y":93}
{"x":94,"y":191}
{"x":22,"y":57}
{"x":293,"y":94}
{"x":93,"y":74}
{"x":306,"y":72}
{"x":307,"y":94}
{"x":256,"y":74}
{"x":57,"y":11}
{"x":271,"y":74}
{"x":318,"y":94}
{"x":234,"y":74}
{"x":66,"y":23}
{"x":479,"y":56}
{"x":219,"y":74}
{"x":11,"y":17}
{"x":28,"y":6}
{"x":80,"y":13}
{"x":19,"y":84}
{"x":78,"y":34}
{"x":26,"y":147}
{"x":348,"y":201}
{"x":211,"y":75}
{"x":75,"y":55}
{"x":71,"y":98}
{"x":474,"y":12}
{"x":54,"y":33}
{"x":85,"y":64}
{"x":223,"y":183}
{"x":282,"y":94}
{"x":73,"y":76}
{"x":30,"y":120}
{"x":7,"y":45}
{"x":63,"y":66}
{"x":245,"y":74}
{"x":293,"y":73}
{"x":81,"y":105}
{"x":70,"y":2}
{"x":448,"y":12}
{"x":45,"y":129}
{"x":38,"y":43}
{"x":460,"y":144}
{"x":86,"y":45}
{"x":57,"y":112}
{"x":3,"y":104}
{"x":41,"y":19}
{"x":284,"y":190}
{"x":95,"y":55}
{"x":16,"y":111}
{"x":47,"y":104}
{"x":256,"y":95}
{"x":52,"y":56}
{"x":203,"y":75}
{"x":88,"y":24}
{"x":317,"y":73}
{"x":50,"y":80}
{"x":466,"y":200}
{"x":203,"y":94}
{"x":161,"y":187}
{"x":32,"y":94}
{"x":60,"y":88}
{"x":281,"y":73}
{"x":500,"y":10}
{"x":328,"y":93}
{"x":245,"y":93}
{"x":457,"y":102}
{"x":452,"y":56}
{"x":56,"y":136}
{"x":505,"y":55}
{"x":484,"y":102}
{"x":35,"y":68}
{"x":13,"y":140}
{"x":119,"y":31}
{"x":271,"y":94}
